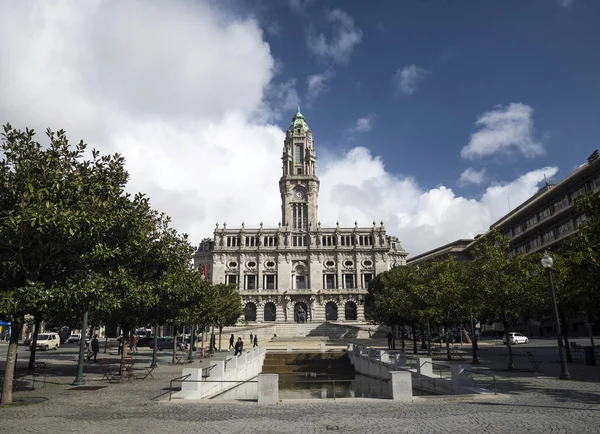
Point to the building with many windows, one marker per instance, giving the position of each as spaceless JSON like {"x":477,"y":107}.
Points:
{"x":299,"y":271}
{"x":540,"y":223}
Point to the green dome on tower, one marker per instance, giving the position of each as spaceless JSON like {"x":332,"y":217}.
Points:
{"x":298,"y":121}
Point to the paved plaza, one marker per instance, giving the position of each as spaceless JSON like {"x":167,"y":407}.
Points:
{"x":527,"y":403}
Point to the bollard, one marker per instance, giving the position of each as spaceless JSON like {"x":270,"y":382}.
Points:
{"x":401,"y":382}
{"x":268,"y":388}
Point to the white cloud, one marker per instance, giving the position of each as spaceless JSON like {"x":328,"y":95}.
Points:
{"x":184,"y":115}
{"x":360,"y":188}
{"x":407,"y":79}
{"x":503,"y":130}
{"x":363,"y":124}
{"x":471,"y":176}
{"x":317,"y":84}
{"x":346,"y":36}
{"x":565,"y":3}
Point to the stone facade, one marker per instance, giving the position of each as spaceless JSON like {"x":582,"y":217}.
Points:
{"x":299,"y":271}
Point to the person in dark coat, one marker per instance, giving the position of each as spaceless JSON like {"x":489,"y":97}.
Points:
{"x":251,"y":338}
{"x":231,"y":342}
{"x":255,"y":341}
{"x":239,"y":347}
{"x":95,"y":348}
{"x":390,"y":338}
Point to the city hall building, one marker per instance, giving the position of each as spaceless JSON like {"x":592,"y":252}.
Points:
{"x":299,"y":271}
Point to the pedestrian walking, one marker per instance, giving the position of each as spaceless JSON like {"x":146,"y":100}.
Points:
{"x":120,"y":340}
{"x":255,"y":341}
{"x":251,"y":338}
{"x":390,"y":339}
{"x":95,"y":348}
{"x":239,"y":347}
{"x":231,"y":342}
{"x":133,"y":346}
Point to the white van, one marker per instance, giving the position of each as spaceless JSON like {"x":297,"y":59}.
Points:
{"x":47,"y":341}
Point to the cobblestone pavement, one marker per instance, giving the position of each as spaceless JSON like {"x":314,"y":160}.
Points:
{"x":528,"y":404}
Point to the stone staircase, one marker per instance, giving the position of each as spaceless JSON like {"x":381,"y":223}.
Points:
{"x":292,"y":366}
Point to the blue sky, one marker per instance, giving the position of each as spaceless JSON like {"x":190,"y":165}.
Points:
{"x":475,"y":54}
{"x":432,"y":116}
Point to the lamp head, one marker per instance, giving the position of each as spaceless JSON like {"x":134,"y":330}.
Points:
{"x":547,"y":261}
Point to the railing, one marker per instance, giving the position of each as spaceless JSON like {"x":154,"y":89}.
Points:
{"x":441,"y":367}
{"x":184,"y":379}
{"x":206,"y":371}
{"x":180,"y":379}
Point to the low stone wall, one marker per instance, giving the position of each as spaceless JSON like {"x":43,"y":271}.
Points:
{"x":223,"y":375}
{"x":455,"y":378}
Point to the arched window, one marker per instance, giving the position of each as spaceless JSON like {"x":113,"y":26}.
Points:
{"x":270,"y":311}
{"x":331,"y":311}
{"x":350,"y":311}
{"x":250,"y":312}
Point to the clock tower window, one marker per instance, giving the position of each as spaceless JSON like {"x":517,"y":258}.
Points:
{"x":299,"y":153}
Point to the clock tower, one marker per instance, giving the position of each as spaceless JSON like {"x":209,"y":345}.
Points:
{"x":299,"y":185}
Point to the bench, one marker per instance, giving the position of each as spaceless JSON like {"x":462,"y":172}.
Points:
{"x":535,"y":363}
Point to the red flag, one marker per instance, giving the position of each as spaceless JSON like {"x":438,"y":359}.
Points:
{"x":205,"y":271}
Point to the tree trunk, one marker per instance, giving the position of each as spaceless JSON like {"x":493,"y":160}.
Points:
{"x":125,"y":330}
{"x":191,"y":352}
{"x":154,"y":345}
{"x":175,"y":334}
{"x":402,"y":338}
{"x":448,"y":355}
{"x":36,"y":332}
{"x":220,"y":334}
{"x":423,"y":338}
{"x":590,"y":330}
{"x":414,"y":339}
{"x":510,"y":365}
{"x":11,"y":359}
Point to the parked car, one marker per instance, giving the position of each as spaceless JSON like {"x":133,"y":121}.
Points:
{"x":515,"y":338}
{"x":47,"y":341}
{"x":145,"y":341}
{"x":75,"y":338}
{"x":166,"y":343}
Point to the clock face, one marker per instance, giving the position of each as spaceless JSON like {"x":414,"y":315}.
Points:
{"x":299,"y":194}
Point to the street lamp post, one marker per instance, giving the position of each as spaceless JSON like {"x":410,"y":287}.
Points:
{"x":547,"y":263}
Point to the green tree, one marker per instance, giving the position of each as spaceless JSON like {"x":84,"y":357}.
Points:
{"x":583,"y":255}
{"x":58,"y":212}
{"x":510,"y":286}
{"x":443,"y":287}
{"x":226,"y":307}
{"x":391,"y":298}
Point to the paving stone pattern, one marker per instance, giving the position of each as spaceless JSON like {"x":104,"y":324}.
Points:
{"x":528,"y":404}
